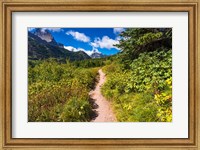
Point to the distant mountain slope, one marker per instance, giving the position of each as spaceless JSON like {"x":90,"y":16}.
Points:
{"x":41,"y":45}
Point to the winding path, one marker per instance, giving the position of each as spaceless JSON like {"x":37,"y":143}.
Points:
{"x":102,"y":108}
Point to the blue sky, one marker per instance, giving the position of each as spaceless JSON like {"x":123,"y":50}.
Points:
{"x":87,"y":39}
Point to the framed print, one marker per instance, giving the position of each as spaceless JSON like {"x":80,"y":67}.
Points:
{"x":107,"y":75}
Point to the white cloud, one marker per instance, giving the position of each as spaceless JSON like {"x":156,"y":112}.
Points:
{"x":79,"y":36}
{"x":89,"y":52}
{"x":118,"y":30}
{"x":105,"y":42}
{"x":70,"y":48}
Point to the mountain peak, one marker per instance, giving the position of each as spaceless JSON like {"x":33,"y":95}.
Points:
{"x":96,"y":54}
{"x":95,"y":51}
{"x":44,"y":34}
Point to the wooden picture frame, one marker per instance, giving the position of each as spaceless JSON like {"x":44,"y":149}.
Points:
{"x":9,"y":6}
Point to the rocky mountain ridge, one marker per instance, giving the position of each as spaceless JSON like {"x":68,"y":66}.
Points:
{"x":42,"y":45}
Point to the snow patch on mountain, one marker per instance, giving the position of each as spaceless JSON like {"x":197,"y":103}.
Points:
{"x":95,"y":53}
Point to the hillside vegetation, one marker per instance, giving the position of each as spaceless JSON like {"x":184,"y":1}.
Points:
{"x":59,"y":92}
{"x":143,"y":92}
{"x":139,"y":82}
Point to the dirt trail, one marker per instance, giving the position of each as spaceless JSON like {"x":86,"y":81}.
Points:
{"x":102,"y":106}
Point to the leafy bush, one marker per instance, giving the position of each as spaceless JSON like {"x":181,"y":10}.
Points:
{"x":143,"y":92}
{"x":59,"y":92}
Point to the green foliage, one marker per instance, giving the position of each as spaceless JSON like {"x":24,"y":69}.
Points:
{"x":138,"y":40}
{"x":143,"y":92}
{"x":59,"y":92}
{"x":148,"y":37}
{"x":76,"y":109}
{"x":89,"y":63}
